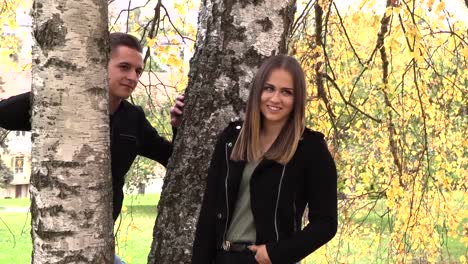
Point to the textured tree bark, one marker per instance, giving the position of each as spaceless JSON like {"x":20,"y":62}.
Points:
{"x":234,"y":37}
{"x":71,"y":191}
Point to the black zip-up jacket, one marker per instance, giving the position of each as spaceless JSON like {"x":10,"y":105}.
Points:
{"x":131,"y":135}
{"x":278,"y":197}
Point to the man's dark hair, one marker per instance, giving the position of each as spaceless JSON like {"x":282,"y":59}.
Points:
{"x":123,"y":39}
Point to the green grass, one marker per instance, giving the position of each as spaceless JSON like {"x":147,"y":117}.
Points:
{"x":147,"y":199}
{"x":15,"y":237}
{"x":21,"y":202}
{"x":134,"y":230}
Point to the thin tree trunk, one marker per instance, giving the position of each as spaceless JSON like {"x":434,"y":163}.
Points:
{"x":71,"y":190}
{"x":234,"y":37}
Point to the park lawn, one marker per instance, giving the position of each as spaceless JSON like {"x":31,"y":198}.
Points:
{"x":15,"y":237}
{"x":134,"y":229}
{"x":20,"y":202}
{"x":133,"y":239}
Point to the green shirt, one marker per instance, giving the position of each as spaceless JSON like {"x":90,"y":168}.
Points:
{"x":242,"y":228}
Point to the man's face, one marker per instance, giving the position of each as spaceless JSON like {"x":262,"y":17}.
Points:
{"x":125,"y":68}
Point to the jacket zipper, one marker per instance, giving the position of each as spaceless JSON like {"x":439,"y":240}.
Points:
{"x":294,"y":208}
{"x":277,"y":202}
{"x":227,"y":202}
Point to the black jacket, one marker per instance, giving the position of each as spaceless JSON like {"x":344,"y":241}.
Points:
{"x":279,"y":195}
{"x":131,"y":135}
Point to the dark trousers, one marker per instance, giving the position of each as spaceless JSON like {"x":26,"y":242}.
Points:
{"x":245,"y":257}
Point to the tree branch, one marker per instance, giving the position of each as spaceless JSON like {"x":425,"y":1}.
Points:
{"x":348,"y":102}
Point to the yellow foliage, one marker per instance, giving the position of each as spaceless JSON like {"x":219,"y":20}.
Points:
{"x":174,"y":61}
{"x":462,"y":259}
{"x":12,"y":23}
{"x":180,"y":9}
{"x":388,"y":11}
{"x":430,"y":3}
{"x":136,"y":27}
{"x":440,"y":6}
{"x":465,"y":53}
{"x":417,"y":177}
{"x":151,"y":42}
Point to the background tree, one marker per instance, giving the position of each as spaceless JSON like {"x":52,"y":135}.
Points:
{"x":9,"y":42}
{"x":71,"y":180}
{"x":388,"y":87}
{"x":6,"y":175}
{"x":234,"y":38}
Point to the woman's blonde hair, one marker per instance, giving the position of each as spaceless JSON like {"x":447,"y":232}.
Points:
{"x":248,"y":145}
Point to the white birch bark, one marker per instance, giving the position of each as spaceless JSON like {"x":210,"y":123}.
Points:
{"x":71,"y":189}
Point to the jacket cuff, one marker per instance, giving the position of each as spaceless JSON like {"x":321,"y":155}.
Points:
{"x":174,"y":133}
{"x":275,"y":254}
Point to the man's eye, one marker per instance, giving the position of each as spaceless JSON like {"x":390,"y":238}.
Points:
{"x":139,"y":72}
{"x":124,"y":67}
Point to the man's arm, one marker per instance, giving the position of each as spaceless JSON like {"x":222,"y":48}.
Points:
{"x":153,"y":145}
{"x":15,"y":112}
{"x":156,"y":147}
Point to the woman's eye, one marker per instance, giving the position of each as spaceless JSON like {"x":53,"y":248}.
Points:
{"x":287,"y":92}
{"x":268,"y":88}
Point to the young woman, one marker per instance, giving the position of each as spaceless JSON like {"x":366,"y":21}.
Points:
{"x":263,"y":174}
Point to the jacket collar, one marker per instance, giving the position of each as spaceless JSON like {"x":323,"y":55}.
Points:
{"x":237,"y":167}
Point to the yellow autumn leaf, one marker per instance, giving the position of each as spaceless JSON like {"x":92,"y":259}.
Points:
{"x":174,"y":61}
{"x":388,"y":11}
{"x":440,"y":7}
{"x":465,"y":52}
{"x":12,"y":23}
{"x":160,"y":49}
{"x":180,"y":9}
{"x":430,"y":3}
{"x":136,"y":27}
{"x":150,"y":42}
{"x":462,"y":259}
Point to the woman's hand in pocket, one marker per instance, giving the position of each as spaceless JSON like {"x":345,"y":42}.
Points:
{"x":261,"y":254}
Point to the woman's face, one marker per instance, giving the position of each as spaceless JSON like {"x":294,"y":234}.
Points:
{"x":277,"y":97}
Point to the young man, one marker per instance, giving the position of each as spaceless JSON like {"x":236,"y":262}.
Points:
{"x":130,"y":132}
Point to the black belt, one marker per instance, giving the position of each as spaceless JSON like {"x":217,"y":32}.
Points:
{"x":236,"y":246}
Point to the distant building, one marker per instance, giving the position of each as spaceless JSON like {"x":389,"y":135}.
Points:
{"x":18,"y":159}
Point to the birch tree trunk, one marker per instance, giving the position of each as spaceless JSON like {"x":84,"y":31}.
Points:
{"x":234,"y":37}
{"x":71,"y":189}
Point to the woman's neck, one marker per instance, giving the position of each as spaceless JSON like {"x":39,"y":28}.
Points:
{"x":269,"y":133}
